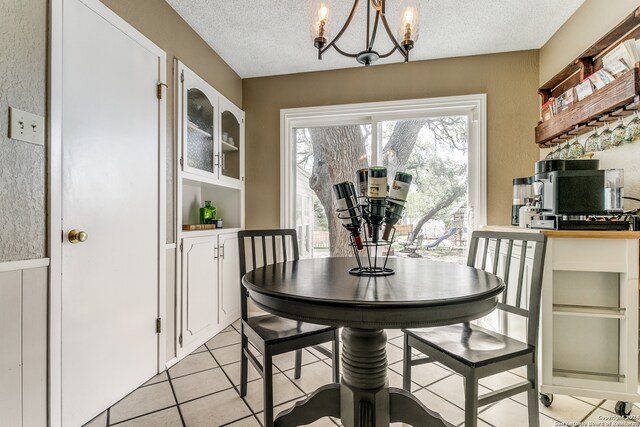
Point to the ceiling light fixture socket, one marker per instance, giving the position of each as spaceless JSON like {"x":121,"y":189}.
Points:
{"x":367,"y":57}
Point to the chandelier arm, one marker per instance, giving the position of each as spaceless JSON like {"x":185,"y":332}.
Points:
{"x":366,"y":43}
{"x":342,"y":52}
{"x":393,"y":39}
{"x":375,"y":30}
{"x":389,"y":53}
{"x":343,"y":29}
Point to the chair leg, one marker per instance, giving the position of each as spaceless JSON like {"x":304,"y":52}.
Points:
{"x":406,"y":364}
{"x":532,"y":396}
{"x":335,"y":356}
{"x":243,"y":365}
{"x":298,"y":366}
{"x":267,"y":389}
{"x":471,"y":400}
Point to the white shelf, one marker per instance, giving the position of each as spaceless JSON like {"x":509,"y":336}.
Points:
{"x":211,"y":180}
{"x":203,"y":233}
{"x":228,"y":147}
{"x":195,"y":127}
{"x":589,"y":311}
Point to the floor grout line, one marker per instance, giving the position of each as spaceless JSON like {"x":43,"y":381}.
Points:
{"x":175,"y":397}
{"x":235,"y":388}
{"x":143,"y":415}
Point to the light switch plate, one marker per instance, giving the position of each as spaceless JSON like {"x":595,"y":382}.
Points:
{"x":26,"y":127}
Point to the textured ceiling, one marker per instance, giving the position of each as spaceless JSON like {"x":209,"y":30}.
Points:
{"x":269,"y":37}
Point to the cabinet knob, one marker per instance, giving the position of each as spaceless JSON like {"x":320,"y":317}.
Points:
{"x":77,"y":236}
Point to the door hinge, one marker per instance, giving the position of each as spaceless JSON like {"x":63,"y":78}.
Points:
{"x":181,"y":162}
{"x":180,"y":247}
{"x":159,"y":89}
{"x":180,"y":339}
{"x":158,"y":325}
{"x":182,"y":76}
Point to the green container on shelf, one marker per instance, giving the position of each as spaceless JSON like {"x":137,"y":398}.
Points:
{"x":207,"y":213}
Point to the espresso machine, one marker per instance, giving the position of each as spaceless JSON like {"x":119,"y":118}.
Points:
{"x":570,"y":195}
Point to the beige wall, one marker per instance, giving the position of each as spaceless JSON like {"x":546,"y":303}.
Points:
{"x":590,"y":22}
{"x":510,"y":81}
{"x":163,"y":26}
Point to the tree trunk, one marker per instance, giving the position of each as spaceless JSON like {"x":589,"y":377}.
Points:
{"x":442,"y":204}
{"x":338,"y":153}
{"x":397,"y":150}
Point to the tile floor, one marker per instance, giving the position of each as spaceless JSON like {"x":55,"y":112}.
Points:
{"x":201,"y":391}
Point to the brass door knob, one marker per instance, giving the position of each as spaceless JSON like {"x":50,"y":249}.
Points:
{"x":77,"y":236}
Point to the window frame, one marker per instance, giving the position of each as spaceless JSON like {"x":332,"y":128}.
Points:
{"x":472,"y":106}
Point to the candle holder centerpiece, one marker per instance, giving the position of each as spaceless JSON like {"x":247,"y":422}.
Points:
{"x":367,"y":210}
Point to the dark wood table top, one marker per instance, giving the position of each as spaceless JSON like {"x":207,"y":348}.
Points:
{"x":420,"y":293}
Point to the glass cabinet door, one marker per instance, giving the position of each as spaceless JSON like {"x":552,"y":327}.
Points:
{"x":199,"y":131}
{"x":231,"y":146}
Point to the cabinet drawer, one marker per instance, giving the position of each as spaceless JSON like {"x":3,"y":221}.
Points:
{"x":589,"y":254}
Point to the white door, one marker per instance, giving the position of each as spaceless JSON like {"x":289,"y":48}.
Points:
{"x":110,"y":190}
{"x":199,"y":291}
{"x":229,"y":286}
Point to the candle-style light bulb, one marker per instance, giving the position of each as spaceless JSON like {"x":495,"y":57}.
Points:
{"x":409,"y":23}
{"x":319,"y":23}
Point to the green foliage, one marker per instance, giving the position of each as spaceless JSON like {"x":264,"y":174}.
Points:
{"x":438,"y":164}
{"x":320,"y":217}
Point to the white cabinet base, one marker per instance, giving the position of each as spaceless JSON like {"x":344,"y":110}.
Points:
{"x":589,"y":335}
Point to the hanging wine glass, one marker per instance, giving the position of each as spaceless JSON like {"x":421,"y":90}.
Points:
{"x":564,"y":152}
{"x":605,"y":138}
{"x":592,"y":144}
{"x":632,"y":134}
{"x":617,"y":134}
{"x":551,"y":152}
{"x":576,"y":149}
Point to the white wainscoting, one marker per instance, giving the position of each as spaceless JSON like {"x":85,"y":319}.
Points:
{"x":23,"y":343}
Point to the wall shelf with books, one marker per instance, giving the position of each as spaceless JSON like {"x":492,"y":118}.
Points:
{"x":616,"y":99}
{"x":600,"y":86}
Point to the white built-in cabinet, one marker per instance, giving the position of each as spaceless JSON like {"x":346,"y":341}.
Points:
{"x":211,"y":294}
{"x":210,"y":167}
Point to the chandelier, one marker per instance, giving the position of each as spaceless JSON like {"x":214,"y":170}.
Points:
{"x":403,"y":41}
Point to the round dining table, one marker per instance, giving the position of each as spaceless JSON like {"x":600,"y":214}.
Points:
{"x":420,"y":293}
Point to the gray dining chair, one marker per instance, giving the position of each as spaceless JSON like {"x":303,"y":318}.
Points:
{"x":270,"y":334}
{"x":477,"y":352}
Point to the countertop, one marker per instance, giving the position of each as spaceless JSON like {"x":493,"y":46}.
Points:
{"x":568,"y":233}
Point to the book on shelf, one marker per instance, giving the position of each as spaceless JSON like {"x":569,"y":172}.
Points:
{"x":548,"y":109}
{"x":601,"y":78}
{"x":584,"y":89}
{"x":564,"y":100}
{"x":621,"y":58}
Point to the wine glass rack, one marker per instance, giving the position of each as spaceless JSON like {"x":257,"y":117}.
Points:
{"x":368,"y":259}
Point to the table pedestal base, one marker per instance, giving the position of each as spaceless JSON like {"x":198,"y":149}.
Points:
{"x":364,"y":398}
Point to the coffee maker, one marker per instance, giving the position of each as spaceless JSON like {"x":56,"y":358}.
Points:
{"x":522,"y":194}
{"x":571,"y":196}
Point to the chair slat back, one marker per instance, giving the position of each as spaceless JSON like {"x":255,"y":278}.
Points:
{"x":264,"y":247}
{"x":520,"y":269}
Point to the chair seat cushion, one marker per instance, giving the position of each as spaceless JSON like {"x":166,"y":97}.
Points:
{"x":273,"y":328}
{"x":470,"y":344}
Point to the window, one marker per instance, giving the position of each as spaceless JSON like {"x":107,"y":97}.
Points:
{"x":441,"y":142}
